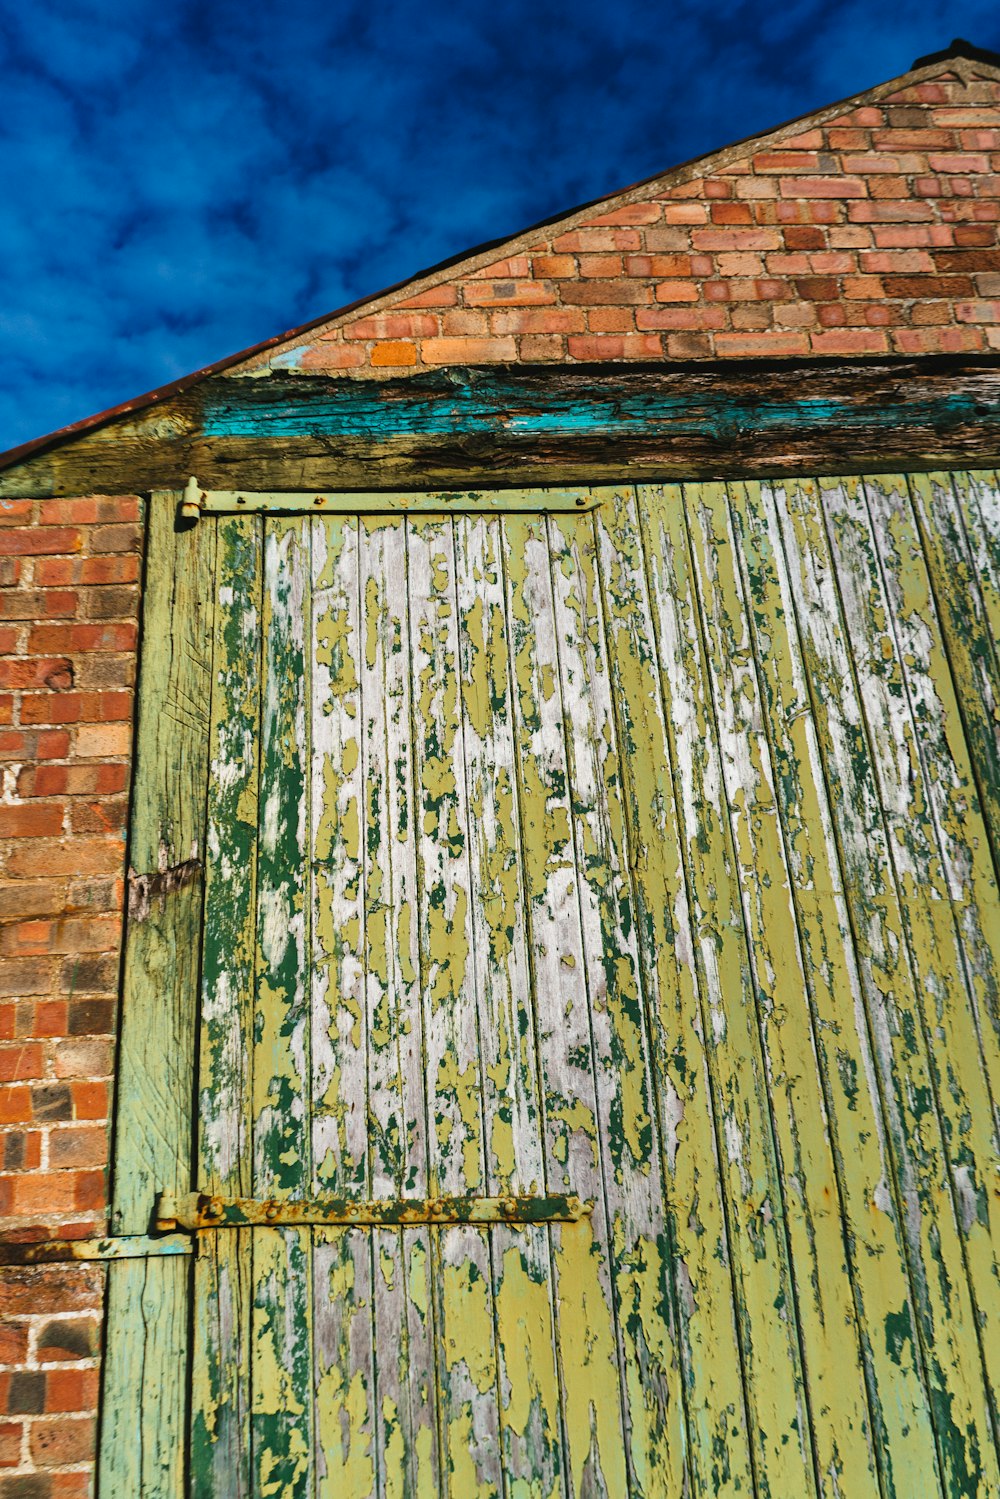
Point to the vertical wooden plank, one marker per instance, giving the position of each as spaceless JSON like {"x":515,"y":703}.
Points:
{"x":846,"y":686}
{"x":958,"y":870}
{"x":586,"y":1328}
{"x":834,"y":1386}
{"x":220,"y":1430}
{"x":719,"y":1454}
{"x":978,"y":495}
{"x":467,"y":1373}
{"x":405,"y":1407}
{"x":852,"y":1103}
{"x":530,"y":1422}
{"x":750,"y":1180}
{"x":627,"y":1115}
{"x":146,"y":1362}
{"x":342,"y":1263}
{"x":282,"y":1388}
{"x":960,"y":575}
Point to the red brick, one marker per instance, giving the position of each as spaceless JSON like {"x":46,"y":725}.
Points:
{"x":119,"y":636}
{"x":16,"y":512}
{"x":631,"y":213}
{"x":777,"y":344}
{"x":90,"y":1100}
{"x":434,"y":296}
{"x":36,"y":671}
{"x":36,"y":541}
{"x":15,"y":1105}
{"x":80,"y":856}
{"x":468,"y":350}
{"x":327,"y":355}
{"x":524,"y":293}
{"x":37,"y":821}
{"x":823,"y":187}
{"x":392,"y":325}
{"x":849,"y":341}
{"x":59,"y":1441}
{"x":394,"y":354}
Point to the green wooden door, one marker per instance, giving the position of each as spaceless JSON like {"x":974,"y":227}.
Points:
{"x":644,"y":853}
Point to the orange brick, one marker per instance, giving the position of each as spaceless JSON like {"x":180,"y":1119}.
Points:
{"x":394,"y":353}
{"x":468,"y":350}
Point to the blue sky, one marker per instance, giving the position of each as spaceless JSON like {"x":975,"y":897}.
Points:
{"x":180,"y":181}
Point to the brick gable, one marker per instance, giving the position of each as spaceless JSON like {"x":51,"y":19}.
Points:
{"x":873,"y":231}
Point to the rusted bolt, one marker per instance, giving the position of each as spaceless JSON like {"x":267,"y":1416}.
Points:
{"x":271,"y":1211}
{"x":319,"y":500}
{"x":213,"y":1208}
{"x":240,"y":500}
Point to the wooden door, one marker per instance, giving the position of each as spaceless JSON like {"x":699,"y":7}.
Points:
{"x":642,"y":851}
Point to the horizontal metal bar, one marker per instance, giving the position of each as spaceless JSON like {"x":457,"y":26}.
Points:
{"x":122,"y":1247}
{"x":199,"y":1210}
{"x":532,"y":501}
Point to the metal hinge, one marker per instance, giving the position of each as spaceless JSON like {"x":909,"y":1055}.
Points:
{"x":197,"y":501}
{"x":114,"y":1247}
{"x":201,"y":1210}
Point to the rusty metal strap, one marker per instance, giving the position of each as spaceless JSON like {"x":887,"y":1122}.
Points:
{"x":198,"y":501}
{"x":201,"y":1210}
{"x":120,"y":1247}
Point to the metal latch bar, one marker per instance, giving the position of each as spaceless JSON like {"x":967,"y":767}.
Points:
{"x":200,"y":1210}
{"x":114,"y":1247}
{"x":198,"y":501}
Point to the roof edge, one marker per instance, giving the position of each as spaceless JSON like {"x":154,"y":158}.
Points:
{"x":959,"y":51}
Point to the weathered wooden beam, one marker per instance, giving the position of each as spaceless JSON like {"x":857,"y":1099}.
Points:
{"x":523,"y":427}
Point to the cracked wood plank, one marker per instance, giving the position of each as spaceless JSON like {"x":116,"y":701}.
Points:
{"x":854,"y":713}
{"x":143,"y":1389}
{"x":750,"y":1177}
{"x":281,"y":1414}
{"x":523,"y":1289}
{"x":718,"y":1451}
{"x":461,"y":1273}
{"x":405,"y":1406}
{"x":220,"y":1416}
{"x":343,"y":1313}
{"x":852,"y":1104}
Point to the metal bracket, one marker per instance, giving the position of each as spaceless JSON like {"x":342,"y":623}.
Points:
{"x":201,"y":1210}
{"x":120,"y":1247}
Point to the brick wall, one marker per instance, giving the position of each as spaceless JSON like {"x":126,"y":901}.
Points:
{"x":872,"y":232}
{"x":69,"y":571}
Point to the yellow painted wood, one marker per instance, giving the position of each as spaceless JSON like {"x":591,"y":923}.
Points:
{"x":586,"y":1325}
{"x":220,"y":1418}
{"x":462,"y":1276}
{"x":718,"y":1451}
{"x":640,"y":854}
{"x":281,"y":1410}
{"x":851,"y":1096}
{"x":405,"y":1412}
{"x":343,"y":1274}
{"x":520,"y":1259}
{"x":144,"y":1392}
{"x":855,"y":714}
{"x":750,"y":1175}
{"x":833,"y":1375}
{"x":628,"y":1128}
{"x":954,"y":545}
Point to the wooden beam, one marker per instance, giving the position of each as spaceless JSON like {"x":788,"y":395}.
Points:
{"x":522,"y":427}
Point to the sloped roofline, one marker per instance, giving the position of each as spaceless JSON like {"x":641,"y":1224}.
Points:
{"x":960,"y":57}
